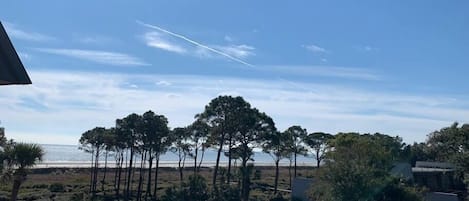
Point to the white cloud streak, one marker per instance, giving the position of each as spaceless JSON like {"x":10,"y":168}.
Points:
{"x":240,"y":51}
{"x":368,"y":48}
{"x":97,"y":99}
{"x":315,"y":49}
{"x":14,"y":32}
{"x":155,"y":39}
{"x":182,"y":37}
{"x":97,"y":40}
{"x":323,"y":71}
{"x":103,"y":57}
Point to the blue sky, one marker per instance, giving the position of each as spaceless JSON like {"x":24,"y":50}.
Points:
{"x":396,"y":67}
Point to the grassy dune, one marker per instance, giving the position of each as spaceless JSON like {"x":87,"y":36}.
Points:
{"x":73,"y":183}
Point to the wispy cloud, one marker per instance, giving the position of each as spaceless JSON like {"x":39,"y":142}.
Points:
{"x":163,"y":83}
{"x":228,"y":38}
{"x":367,"y":48}
{"x":155,"y":39}
{"x":103,"y":57}
{"x":316,"y":106}
{"x":15,"y":32}
{"x":24,"y":56}
{"x":97,"y":40}
{"x":196,"y":43}
{"x":315,"y":49}
{"x":240,"y":51}
{"x":324,"y":71}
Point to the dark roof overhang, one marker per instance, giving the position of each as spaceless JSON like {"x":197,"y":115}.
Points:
{"x":12,"y":70}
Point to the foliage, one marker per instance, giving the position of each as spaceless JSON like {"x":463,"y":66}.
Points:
{"x":172,"y":193}
{"x":417,"y":152}
{"x":357,"y":166}
{"x":297,"y":137}
{"x":278,"y":197}
{"x":222,"y":117}
{"x":198,"y":132}
{"x":396,"y":190}
{"x":357,"y":169}
{"x":257,"y":174}
{"x":278,"y":145}
{"x":319,"y":143}
{"x":57,"y":187}
{"x":195,"y":190}
{"x":450,"y":144}
{"x":225,"y":193}
{"x":19,"y":157}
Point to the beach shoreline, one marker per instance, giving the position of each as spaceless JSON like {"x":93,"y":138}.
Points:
{"x":172,"y":164}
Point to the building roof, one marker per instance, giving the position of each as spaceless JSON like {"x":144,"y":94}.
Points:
{"x":425,"y":166}
{"x":11,"y":69}
{"x":424,"y":169}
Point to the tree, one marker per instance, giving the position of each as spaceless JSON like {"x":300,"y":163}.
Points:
{"x":20,"y":157}
{"x":128,"y":128}
{"x":297,"y":135}
{"x":417,"y":152}
{"x":120,"y":146}
{"x":278,"y":145}
{"x":220,"y":116}
{"x":182,"y":148}
{"x":108,"y":143}
{"x":253,"y":127}
{"x":318,"y":142}
{"x":451,"y":144}
{"x":157,"y":140}
{"x":3,"y":143}
{"x":198,"y":134}
{"x":92,"y":141}
{"x":357,"y":169}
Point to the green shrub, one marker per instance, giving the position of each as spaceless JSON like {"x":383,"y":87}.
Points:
{"x":57,"y":188}
{"x":39,"y":186}
{"x":278,"y":197}
{"x":195,"y":190}
{"x":226,"y":193}
{"x":257,"y":174}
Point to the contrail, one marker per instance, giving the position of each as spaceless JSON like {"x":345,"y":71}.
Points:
{"x":195,"y":43}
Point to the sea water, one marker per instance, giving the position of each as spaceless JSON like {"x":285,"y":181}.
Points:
{"x":72,"y":156}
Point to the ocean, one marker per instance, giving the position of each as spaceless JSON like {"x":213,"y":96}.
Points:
{"x":71,"y":156}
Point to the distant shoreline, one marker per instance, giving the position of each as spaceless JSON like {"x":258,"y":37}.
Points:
{"x":173,"y":164}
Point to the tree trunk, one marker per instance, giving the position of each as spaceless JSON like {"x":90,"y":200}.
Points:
{"x":105,"y":170}
{"x":180,"y":168}
{"x":119,"y":174}
{"x":245,"y":188}
{"x":150,"y":161}
{"x":195,"y":157}
{"x":129,"y":173}
{"x":18,"y":179}
{"x":183,"y":164}
{"x":276,"y":175}
{"x":201,"y":158}
{"x":116,"y":171}
{"x":289,"y":171}
{"x":295,"y":166}
{"x":92,"y":171}
{"x":318,"y":159}
{"x":96,"y":168}
{"x":215,"y":171}
{"x":140,"y":177}
{"x":156,"y":175}
{"x":229,"y":160}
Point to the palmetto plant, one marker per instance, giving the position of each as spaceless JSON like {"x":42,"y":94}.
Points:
{"x":19,"y":157}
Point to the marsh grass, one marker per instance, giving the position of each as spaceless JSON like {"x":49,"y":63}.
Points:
{"x":73,"y":183}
